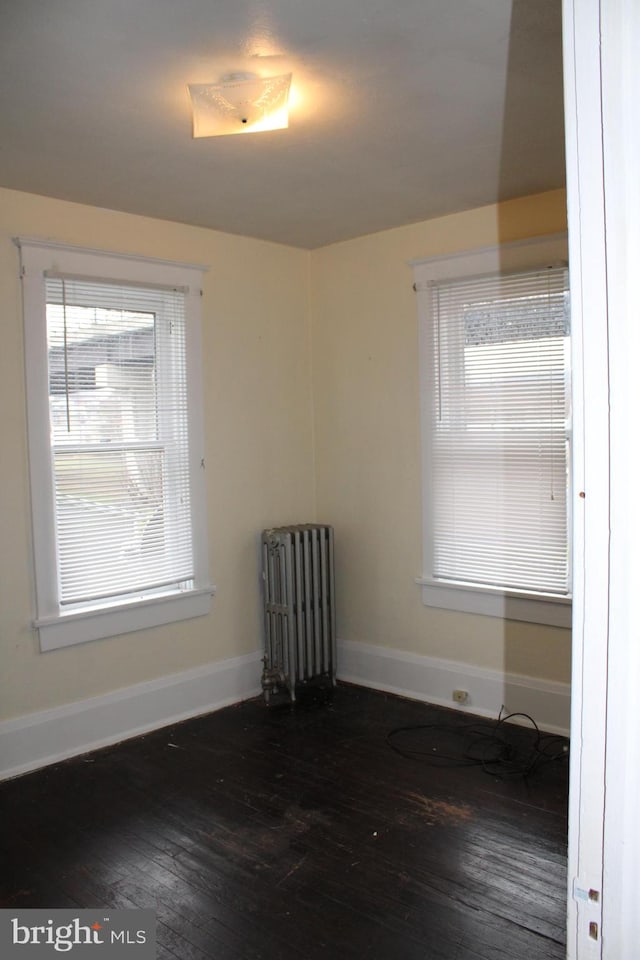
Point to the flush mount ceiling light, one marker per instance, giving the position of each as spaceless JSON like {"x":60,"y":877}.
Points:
{"x":240,"y":103}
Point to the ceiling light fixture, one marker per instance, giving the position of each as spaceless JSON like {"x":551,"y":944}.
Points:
{"x":240,"y":103}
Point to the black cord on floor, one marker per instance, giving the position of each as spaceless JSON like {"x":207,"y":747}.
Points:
{"x":498,"y":747}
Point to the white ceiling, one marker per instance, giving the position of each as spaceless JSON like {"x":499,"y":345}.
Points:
{"x":408,"y":109}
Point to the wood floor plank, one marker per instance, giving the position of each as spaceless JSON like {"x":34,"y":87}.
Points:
{"x":297,"y":833}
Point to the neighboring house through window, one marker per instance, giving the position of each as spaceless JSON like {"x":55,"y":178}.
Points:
{"x":496,"y":431}
{"x":115,"y":442}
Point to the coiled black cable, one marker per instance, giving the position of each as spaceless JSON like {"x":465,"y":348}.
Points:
{"x":501,"y":748}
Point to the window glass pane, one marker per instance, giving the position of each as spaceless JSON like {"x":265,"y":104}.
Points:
{"x":110,"y":520}
{"x":119,"y":435}
{"x":499,"y":459}
{"x":101,"y":374}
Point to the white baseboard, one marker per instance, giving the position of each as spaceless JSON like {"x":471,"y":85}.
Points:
{"x":38,"y":739}
{"x":433,"y":680}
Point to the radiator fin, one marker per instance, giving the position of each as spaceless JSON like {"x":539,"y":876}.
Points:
{"x":299,"y":607}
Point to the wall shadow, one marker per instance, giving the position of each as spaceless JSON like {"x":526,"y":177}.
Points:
{"x":533,"y":125}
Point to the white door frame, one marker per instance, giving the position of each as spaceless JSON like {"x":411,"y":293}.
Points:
{"x":602,"y":98}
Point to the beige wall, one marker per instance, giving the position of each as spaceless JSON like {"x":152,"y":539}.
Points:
{"x":269,"y":310}
{"x":258,"y":444}
{"x":365,"y":385}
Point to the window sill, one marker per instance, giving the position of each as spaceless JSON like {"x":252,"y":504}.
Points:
{"x":81,"y":626}
{"x":506,"y":604}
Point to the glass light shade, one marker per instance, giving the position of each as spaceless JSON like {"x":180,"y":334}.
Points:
{"x":240,"y":103}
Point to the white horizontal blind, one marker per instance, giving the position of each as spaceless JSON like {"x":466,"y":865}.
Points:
{"x":119,"y":438}
{"x":499,"y":437}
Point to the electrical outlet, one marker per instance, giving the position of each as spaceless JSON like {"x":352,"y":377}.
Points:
{"x":460,"y":696}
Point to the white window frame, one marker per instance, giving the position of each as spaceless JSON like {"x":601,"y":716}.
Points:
{"x":450,"y":595}
{"x":61,"y":627}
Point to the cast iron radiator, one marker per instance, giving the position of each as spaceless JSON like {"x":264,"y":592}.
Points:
{"x":299,"y":607}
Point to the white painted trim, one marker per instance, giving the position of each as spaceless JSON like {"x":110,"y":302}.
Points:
{"x":530,"y":253}
{"x":591,"y":330}
{"x":620,"y":85}
{"x":83,"y":626}
{"x":506,"y":604}
{"x":39,"y":739}
{"x":23,"y":242}
{"x":550,"y":238}
{"x":432,"y":679}
{"x":57,"y":629}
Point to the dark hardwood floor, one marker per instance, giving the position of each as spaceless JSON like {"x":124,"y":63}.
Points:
{"x":298,"y":834}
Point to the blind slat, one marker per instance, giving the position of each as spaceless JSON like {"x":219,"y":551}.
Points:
{"x":119,"y":432}
{"x":499,"y":448}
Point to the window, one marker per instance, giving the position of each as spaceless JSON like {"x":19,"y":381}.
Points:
{"x":495,"y":390}
{"x":115,"y":442}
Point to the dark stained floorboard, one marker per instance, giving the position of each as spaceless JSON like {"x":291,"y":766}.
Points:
{"x":296,"y":833}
